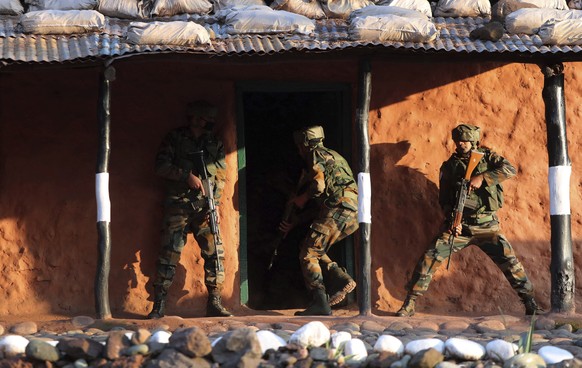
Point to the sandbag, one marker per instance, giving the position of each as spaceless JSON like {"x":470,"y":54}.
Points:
{"x":168,"y":8}
{"x":502,"y":8}
{"x":177,"y":33}
{"x":392,"y":28}
{"x":561,"y":32}
{"x":268,"y":21}
{"x":422,"y":6}
{"x":309,"y":8}
{"x":380,"y":10}
{"x":224,"y":4}
{"x":11,"y":7}
{"x":463,"y":8}
{"x":547,"y":4}
{"x":34,"y":5}
{"x":122,"y":8}
{"x":223,"y":13}
{"x":62,"y":21}
{"x":342,"y":8}
{"x":529,"y":21}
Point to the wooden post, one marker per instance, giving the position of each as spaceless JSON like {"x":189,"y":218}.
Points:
{"x":102,"y":195}
{"x":560,"y":169}
{"x":364,"y":187}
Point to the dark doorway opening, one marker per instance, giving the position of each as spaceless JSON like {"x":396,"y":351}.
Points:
{"x":271,"y":171}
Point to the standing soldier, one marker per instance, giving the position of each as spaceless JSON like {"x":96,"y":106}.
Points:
{"x":479,"y":224}
{"x":328,"y":179}
{"x":185,"y":209}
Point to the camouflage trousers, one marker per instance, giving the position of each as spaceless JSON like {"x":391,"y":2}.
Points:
{"x":492,"y":243}
{"x":177,"y":223}
{"x":330,"y":226}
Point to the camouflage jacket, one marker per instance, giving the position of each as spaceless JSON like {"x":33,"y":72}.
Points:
{"x":330,"y":180}
{"x":485,"y":200}
{"x":174,"y":162}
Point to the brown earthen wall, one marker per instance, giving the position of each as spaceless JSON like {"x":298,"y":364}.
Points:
{"x":48,"y":148}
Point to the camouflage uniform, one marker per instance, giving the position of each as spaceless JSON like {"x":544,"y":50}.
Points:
{"x":480,"y":227}
{"x":331,"y":182}
{"x":185,"y":209}
{"x":480,"y":223}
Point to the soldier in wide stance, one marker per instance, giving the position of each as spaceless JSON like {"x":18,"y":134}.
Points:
{"x":327,"y":179}
{"x":479,"y":224}
{"x":185,"y":209}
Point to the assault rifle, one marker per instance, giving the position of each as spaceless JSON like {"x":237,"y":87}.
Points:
{"x":288,"y":213}
{"x":462,"y":192}
{"x":200,"y":165}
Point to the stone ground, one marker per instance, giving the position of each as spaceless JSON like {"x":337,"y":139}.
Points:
{"x":564,"y":331}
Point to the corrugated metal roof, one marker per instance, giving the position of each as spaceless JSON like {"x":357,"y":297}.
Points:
{"x":331,"y":34}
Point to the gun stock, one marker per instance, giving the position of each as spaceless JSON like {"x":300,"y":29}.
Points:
{"x":461,"y":197}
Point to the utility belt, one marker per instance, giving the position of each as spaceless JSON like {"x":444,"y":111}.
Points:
{"x":479,"y":219}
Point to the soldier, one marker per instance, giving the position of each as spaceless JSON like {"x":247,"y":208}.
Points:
{"x":328,"y":179}
{"x":185,"y":209}
{"x":479,"y":225}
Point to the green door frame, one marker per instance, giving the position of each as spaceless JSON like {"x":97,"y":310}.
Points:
{"x":345,"y":142}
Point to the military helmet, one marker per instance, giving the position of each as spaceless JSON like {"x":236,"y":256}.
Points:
{"x":310,"y":136}
{"x":201,"y":108}
{"x":466,"y":133}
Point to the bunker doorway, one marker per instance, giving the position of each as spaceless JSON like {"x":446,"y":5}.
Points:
{"x":269,"y":170}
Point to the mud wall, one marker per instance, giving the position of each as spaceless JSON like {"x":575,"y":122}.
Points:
{"x":48,"y":148}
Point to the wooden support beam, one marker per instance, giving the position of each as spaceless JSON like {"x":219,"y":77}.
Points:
{"x":102,"y":195}
{"x":560,"y":169}
{"x":364,"y":187}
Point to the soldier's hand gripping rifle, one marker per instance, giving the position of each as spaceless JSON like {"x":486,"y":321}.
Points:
{"x":462,"y":193}
{"x":200,"y":166}
{"x":289,"y":211}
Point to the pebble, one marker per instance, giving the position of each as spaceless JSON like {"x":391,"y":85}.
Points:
{"x":553,"y":355}
{"x":464,"y":349}
{"x":415,"y":346}
{"x":500,"y":350}
{"x":489,"y":342}
{"x":338,"y":339}
{"x":24,"y":328}
{"x":269,"y":340}
{"x":12,"y":345}
{"x":355,"y":350}
{"x":313,"y":333}
{"x":389,"y":344}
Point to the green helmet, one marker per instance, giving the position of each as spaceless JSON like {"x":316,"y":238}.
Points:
{"x":201,"y":108}
{"x":466,"y":133}
{"x":310,"y":136}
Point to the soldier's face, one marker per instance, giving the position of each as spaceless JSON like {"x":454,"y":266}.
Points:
{"x":463,"y":146}
{"x":201,"y":121}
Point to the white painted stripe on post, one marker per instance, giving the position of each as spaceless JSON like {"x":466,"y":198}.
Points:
{"x":102,"y":194}
{"x":559,"y":179}
{"x":364,"y":198}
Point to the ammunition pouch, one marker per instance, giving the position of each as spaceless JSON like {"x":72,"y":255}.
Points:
{"x":486,"y":225}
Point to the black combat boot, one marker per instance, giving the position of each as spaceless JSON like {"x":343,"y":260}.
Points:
{"x":407,"y":309}
{"x":214,"y":306}
{"x":531,"y":306}
{"x":319,"y":305}
{"x":159,"y":309}
{"x":339,"y":283}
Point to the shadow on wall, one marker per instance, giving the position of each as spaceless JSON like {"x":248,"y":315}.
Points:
{"x":405,"y":215}
{"x":474,"y":285}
